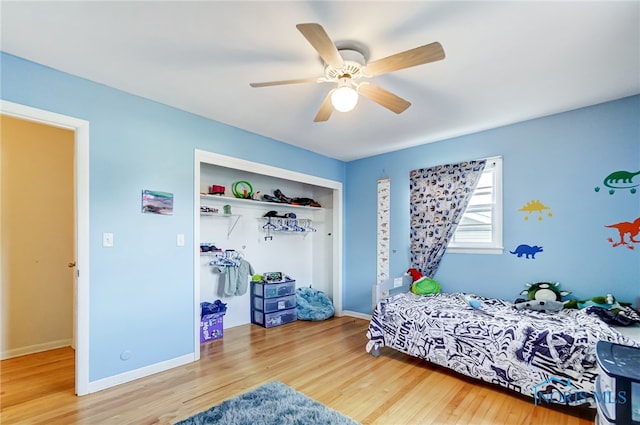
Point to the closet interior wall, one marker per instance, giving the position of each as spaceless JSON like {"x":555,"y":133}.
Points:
{"x":306,"y":257}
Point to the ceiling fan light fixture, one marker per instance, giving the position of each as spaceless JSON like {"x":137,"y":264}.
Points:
{"x":345,"y":97}
{"x":347,"y":64}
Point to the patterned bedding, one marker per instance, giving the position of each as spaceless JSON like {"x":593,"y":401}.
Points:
{"x":534,"y":353}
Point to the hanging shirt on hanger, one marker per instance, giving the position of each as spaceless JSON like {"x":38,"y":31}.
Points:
{"x":244,"y":271}
{"x":237,"y":279}
{"x":223,"y":279}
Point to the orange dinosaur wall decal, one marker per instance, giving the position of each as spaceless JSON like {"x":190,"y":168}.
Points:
{"x":624,"y":227}
{"x":535,"y":205}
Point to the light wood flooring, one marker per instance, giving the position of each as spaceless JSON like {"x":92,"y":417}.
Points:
{"x":324,"y":360}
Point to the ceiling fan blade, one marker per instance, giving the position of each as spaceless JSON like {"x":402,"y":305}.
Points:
{"x":317,"y":36}
{"x":383,"y":97}
{"x":418,"y":56}
{"x":283,"y":82}
{"x":325,"y":109}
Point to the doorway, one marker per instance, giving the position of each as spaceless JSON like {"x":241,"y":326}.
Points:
{"x":80,"y":130}
{"x":38,"y":237}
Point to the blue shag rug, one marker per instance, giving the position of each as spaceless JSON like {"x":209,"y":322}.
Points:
{"x":273,"y":403}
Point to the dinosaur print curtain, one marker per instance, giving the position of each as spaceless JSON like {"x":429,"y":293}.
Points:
{"x":439,"y":196}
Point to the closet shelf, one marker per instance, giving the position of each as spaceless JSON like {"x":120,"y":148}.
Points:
{"x":258,"y":203}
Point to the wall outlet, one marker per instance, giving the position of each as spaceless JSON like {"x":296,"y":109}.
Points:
{"x":107,"y":240}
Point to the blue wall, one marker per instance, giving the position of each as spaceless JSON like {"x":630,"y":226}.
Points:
{"x":141,"y":295}
{"x":142,"y":289}
{"x":559,"y":160}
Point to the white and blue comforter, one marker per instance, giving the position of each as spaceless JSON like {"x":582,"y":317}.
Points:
{"x":527,"y":351}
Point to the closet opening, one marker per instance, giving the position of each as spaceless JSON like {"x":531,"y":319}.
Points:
{"x":300,"y":240}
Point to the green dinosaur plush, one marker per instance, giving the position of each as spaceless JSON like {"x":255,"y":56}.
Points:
{"x":544,"y":291}
{"x":605,"y":301}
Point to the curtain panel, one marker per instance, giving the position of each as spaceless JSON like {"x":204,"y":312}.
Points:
{"x":439,"y":196}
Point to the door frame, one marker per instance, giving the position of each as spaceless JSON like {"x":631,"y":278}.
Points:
{"x":81,"y":198}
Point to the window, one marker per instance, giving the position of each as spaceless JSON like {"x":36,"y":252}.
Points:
{"x":480,"y":229}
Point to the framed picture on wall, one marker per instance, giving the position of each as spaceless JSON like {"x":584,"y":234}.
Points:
{"x":155,"y":202}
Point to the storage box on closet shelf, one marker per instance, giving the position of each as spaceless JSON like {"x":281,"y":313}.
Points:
{"x":206,"y":210}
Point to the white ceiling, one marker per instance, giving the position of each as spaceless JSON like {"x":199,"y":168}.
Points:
{"x":505,"y":61}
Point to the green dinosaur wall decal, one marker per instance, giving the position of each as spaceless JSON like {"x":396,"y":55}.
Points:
{"x":620,"y":180}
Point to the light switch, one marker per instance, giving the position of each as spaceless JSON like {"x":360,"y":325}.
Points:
{"x":107,"y":240}
{"x":397,"y":282}
{"x":180,"y":239}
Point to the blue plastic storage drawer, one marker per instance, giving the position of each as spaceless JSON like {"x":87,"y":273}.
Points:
{"x":274,"y":290}
{"x":269,"y":320}
{"x":269,"y":305}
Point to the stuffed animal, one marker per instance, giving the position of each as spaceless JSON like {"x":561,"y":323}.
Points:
{"x":607,"y":302}
{"x":548,"y":306}
{"x":472,"y":302}
{"x":544,"y":291}
{"x":415,"y":274}
{"x":425,"y":286}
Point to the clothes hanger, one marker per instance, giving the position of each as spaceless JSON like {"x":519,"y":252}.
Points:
{"x":268,"y":227}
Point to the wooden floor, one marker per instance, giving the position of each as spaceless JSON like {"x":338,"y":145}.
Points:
{"x":324,"y":360}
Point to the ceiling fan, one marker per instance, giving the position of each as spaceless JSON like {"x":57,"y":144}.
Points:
{"x":348,"y":68}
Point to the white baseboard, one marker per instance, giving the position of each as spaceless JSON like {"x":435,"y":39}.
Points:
{"x":32,"y":349}
{"x":356,"y":314}
{"x":112,"y":381}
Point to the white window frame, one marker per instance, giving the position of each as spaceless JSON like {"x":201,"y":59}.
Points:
{"x":494,"y":164}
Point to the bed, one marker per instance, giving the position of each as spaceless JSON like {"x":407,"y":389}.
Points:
{"x":534,"y":353}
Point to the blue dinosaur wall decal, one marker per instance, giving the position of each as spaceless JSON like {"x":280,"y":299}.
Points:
{"x":527,"y":250}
